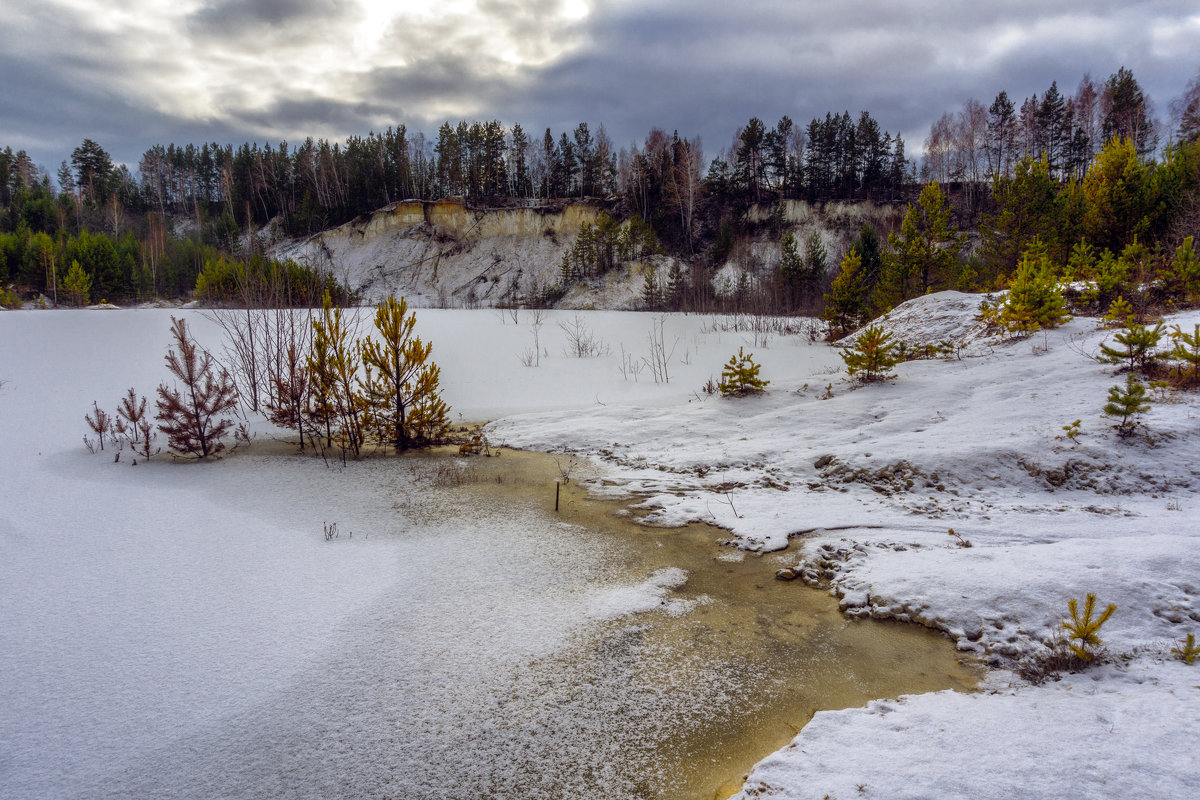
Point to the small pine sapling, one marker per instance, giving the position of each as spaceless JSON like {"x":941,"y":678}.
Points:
{"x":1183,"y":274}
{"x":100,"y":422}
{"x":130,"y":412}
{"x":1119,"y":313}
{"x":873,"y":355}
{"x":1034,"y":301}
{"x":193,"y":419}
{"x":740,"y":376}
{"x":144,"y":440}
{"x":401,"y":387}
{"x":287,"y":402}
{"x":1084,"y":628}
{"x":1187,"y":650}
{"x":1126,"y":403}
{"x":1137,"y":345}
{"x":120,"y":432}
{"x":1187,"y":351}
{"x":1071,"y":432}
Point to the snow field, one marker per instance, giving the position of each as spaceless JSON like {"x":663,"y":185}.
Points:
{"x":148,"y":647}
{"x":870,"y":481}
{"x":174,"y":630}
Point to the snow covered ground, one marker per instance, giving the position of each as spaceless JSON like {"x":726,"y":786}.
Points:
{"x":860,"y":484}
{"x":866,"y":484}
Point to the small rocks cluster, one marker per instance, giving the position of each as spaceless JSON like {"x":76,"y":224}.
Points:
{"x":899,"y":476}
{"x":1099,"y":477}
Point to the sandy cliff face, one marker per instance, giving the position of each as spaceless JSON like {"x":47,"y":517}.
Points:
{"x":446,"y":252}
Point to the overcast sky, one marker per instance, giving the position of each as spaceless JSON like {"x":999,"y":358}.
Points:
{"x":143,"y":72}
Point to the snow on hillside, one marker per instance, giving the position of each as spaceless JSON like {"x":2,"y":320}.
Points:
{"x":866,"y":483}
{"x":450,"y":254}
{"x":446,"y":254}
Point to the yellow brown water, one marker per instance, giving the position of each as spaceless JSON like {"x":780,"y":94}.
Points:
{"x":743,"y":663}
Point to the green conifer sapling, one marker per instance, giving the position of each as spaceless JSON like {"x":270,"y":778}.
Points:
{"x":740,"y":376}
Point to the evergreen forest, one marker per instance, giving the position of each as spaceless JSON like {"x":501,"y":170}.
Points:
{"x":1089,"y":183}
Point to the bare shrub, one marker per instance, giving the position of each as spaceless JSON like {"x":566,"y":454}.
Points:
{"x":581,"y":342}
{"x":630,"y":365}
{"x":566,"y":464}
{"x":660,"y":355}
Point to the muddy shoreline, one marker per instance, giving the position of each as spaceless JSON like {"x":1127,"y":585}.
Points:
{"x":789,"y":642}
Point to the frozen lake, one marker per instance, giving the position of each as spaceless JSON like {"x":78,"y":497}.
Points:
{"x":185,"y":630}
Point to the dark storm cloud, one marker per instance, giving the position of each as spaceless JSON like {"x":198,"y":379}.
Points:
{"x":246,"y":17}
{"x":707,"y":67}
{"x":701,"y":66}
{"x":316,"y":115}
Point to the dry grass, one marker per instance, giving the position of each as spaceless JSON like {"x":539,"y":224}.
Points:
{"x":446,"y":474}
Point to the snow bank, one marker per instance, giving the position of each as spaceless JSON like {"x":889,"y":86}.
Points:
{"x":933,"y":320}
{"x":1099,"y":734}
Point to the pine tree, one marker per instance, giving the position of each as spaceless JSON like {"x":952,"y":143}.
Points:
{"x":844,"y":305}
{"x":926,"y":248}
{"x":1127,"y":403}
{"x":1187,"y":350}
{"x":1117,"y":194}
{"x":1034,"y":301}
{"x":816,"y":265}
{"x":93,"y":171}
{"x":401,"y":386}
{"x":335,"y":405}
{"x":131,"y":413}
{"x":1137,"y":345}
{"x":675,"y":287}
{"x":193,"y":418}
{"x":740,"y":376}
{"x":1119,"y":313}
{"x":290,"y":385}
{"x":77,"y":284}
{"x":100,"y":422}
{"x":1183,"y":275}
{"x":791,"y":271}
{"x":873,"y":354}
{"x":1085,"y":627}
{"x":652,"y":292}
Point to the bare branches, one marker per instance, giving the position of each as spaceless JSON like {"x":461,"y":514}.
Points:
{"x":660,"y":356}
{"x":581,"y":342}
{"x":100,"y":422}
